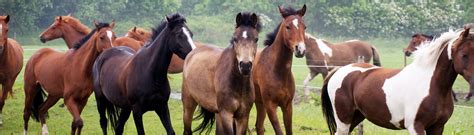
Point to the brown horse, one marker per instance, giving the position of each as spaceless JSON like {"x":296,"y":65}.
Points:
{"x":222,"y":85}
{"x":416,"y":41}
{"x":417,"y":97}
{"x":64,"y":75}
{"x":139,"y":34}
{"x":66,"y":27}
{"x":322,"y":56}
{"x":274,"y":82}
{"x":11,"y":61}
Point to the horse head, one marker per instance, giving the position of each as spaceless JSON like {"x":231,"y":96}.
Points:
{"x":416,"y":41}
{"x":3,"y":31}
{"x":104,"y":36}
{"x":244,"y":41}
{"x":463,"y":57}
{"x":293,"y":29}
{"x":179,"y":38}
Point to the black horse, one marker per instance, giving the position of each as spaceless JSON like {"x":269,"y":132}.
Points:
{"x":126,"y":81}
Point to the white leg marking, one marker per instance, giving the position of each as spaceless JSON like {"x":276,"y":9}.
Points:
{"x":25,"y":132}
{"x":244,"y":34}
{"x":295,"y":22}
{"x":44,"y":130}
{"x":190,"y":40}
{"x":324,"y":48}
{"x":334,"y":84}
{"x":110,"y":34}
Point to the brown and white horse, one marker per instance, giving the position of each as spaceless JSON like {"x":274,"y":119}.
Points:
{"x":322,"y":56}
{"x":417,"y":97}
{"x":272,"y":76}
{"x":222,"y":86}
{"x":11,"y":62}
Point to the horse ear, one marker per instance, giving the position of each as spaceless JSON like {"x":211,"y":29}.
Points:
{"x":465,"y":33}
{"x":134,"y":29}
{"x":282,"y":11}
{"x":96,"y":24}
{"x":254,"y":18}
{"x":302,"y":11}
{"x":112,"y":24}
{"x":69,"y":14}
{"x":7,"y":19}
{"x":238,"y":20}
{"x":167,"y":18}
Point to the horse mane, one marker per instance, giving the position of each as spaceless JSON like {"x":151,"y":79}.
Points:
{"x":77,"y":25}
{"x":424,"y":35}
{"x":429,"y":52}
{"x":288,"y":11}
{"x":173,"y":19}
{"x":86,"y":38}
{"x":247,"y":21}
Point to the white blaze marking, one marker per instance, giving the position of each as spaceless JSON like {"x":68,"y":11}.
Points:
{"x":44,"y":129}
{"x":324,"y":48}
{"x":110,"y":34}
{"x":244,"y":34}
{"x":295,"y":22}
{"x":334,"y":84}
{"x":301,"y":46}
{"x":188,"y":35}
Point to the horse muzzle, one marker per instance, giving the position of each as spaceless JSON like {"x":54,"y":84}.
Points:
{"x":245,"y":67}
{"x":300,"y":50}
{"x":43,"y":40}
{"x":407,"y":53}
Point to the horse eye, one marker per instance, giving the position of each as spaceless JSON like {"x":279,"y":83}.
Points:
{"x":101,"y":38}
{"x":287,"y":27}
{"x":256,"y":40}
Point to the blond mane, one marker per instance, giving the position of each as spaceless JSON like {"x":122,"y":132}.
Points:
{"x":428,"y":53}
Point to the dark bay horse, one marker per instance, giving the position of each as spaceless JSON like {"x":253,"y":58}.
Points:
{"x":417,"y":97}
{"x":66,"y":27}
{"x":125,"y":81}
{"x":11,"y":62}
{"x":219,"y":80}
{"x":64,"y":75}
{"x":322,"y":56}
{"x":273,"y":79}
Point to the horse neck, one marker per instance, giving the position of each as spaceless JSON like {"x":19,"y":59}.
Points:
{"x":85,"y":56}
{"x":157,"y":56}
{"x":228,"y":65}
{"x":72,"y":36}
{"x":444,"y":74}
{"x":282,"y":55}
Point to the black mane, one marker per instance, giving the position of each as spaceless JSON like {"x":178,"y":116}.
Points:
{"x":247,"y":21}
{"x":288,"y":11}
{"x":173,"y":19}
{"x":85,"y":39}
{"x":424,"y":35}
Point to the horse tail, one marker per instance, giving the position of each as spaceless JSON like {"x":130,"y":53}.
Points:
{"x":326,"y":106}
{"x":376,"y":57}
{"x":38,"y":100}
{"x":207,"y":122}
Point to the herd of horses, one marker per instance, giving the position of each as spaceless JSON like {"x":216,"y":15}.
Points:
{"x":128,"y":75}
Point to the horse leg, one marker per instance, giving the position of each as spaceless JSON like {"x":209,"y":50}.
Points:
{"x":242,"y":124}
{"x":50,"y":101}
{"x":164,"y":114}
{"x":454,"y":96}
{"x":6,"y":87}
{"x":416,"y":129}
{"x":81,"y":106}
{"x":101,"y":108}
{"x":308,"y":79}
{"x":123,"y":117}
{"x":356,"y":122}
{"x":261,"y":112}
{"x":435,"y":130}
{"x":137,"y":117}
{"x":226,"y":121}
{"x":287,"y":117}
{"x":189,"y":106}
{"x":30,"y":94}
{"x":272,"y":115}
{"x":74,"y":108}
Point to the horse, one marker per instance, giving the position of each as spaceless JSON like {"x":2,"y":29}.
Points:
{"x":322,"y":56}
{"x":64,"y":75}
{"x":126,"y":81}
{"x":66,"y":27}
{"x":72,"y":30}
{"x":222,"y":85}
{"x":272,"y":76}
{"x":417,"y":97}
{"x":416,"y":40}
{"x":139,"y":34}
{"x":11,"y":61}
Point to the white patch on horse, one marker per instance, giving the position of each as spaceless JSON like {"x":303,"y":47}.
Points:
{"x":324,"y":48}
{"x":326,"y":64}
{"x":188,"y":35}
{"x":353,"y":40}
{"x":405,"y":93}
{"x":244,"y":34}
{"x":44,"y":130}
{"x":301,"y":46}
{"x":334,"y":84}
{"x":295,"y":22}
{"x":110,"y":34}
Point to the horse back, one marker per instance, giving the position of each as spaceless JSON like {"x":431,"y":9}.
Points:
{"x":129,"y":42}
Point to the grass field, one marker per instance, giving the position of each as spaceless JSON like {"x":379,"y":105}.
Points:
{"x":307,"y":117}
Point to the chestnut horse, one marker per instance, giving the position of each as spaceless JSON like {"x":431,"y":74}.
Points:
{"x":273,"y":79}
{"x":139,"y":34}
{"x":64,"y":75}
{"x":11,"y":61}
{"x":322,"y":56}
{"x":219,"y":81}
{"x":125,"y":81}
{"x":72,"y":30}
{"x":417,"y":97}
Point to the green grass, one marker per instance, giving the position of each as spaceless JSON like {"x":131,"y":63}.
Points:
{"x":307,"y":117}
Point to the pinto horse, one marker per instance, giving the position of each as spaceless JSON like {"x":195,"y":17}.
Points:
{"x":72,"y":30}
{"x":11,"y":61}
{"x":64,"y":75}
{"x":326,"y":55}
{"x":272,"y":76}
{"x":417,"y":97}
{"x":126,"y":81}
{"x":222,"y":85}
